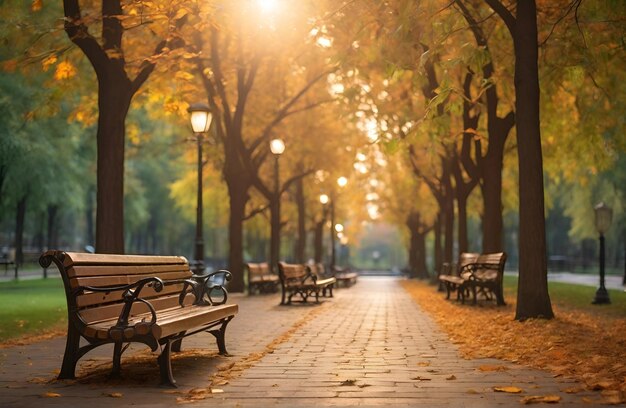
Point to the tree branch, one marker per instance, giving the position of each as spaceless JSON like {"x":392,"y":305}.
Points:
{"x":79,"y":34}
{"x":504,"y":14}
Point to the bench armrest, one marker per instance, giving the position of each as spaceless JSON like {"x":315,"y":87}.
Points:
{"x":207,"y":285}
{"x":472,"y":269}
{"x":130,"y":295}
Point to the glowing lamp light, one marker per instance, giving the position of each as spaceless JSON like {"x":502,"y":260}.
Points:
{"x":201,"y":117}
{"x":342,"y":181}
{"x":339,"y":227}
{"x":324,"y":199}
{"x":277,"y":146}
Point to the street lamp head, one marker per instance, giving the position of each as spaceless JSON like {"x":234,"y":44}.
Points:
{"x":339,"y":228}
{"x":324,"y":199}
{"x":604,"y":216}
{"x":342,"y":181}
{"x":200,"y":117}
{"x":277,"y":146}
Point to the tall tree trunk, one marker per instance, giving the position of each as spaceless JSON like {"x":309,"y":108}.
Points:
{"x":113,"y":102}
{"x":19,"y":232}
{"x":318,"y":239}
{"x":498,"y":128}
{"x":89,"y":231}
{"x":238,"y":199}
{"x":448,"y":213}
{"x":52,"y":239}
{"x":461,"y":203}
{"x":300,"y":245}
{"x":533,"y":299}
{"x":153,"y":234}
{"x":438,"y":249}
{"x":420,"y":262}
{"x":417,"y":246}
{"x":275,"y":232}
{"x":491,"y":188}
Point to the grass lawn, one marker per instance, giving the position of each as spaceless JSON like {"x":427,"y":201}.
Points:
{"x":31,"y":307}
{"x":575,"y":297}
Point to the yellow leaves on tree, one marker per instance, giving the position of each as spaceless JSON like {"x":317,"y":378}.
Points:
{"x":48,"y":62}
{"x":36,"y":5}
{"x":65,"y":70}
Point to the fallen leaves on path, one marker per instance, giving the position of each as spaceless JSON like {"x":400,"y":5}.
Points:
{"x":575,"y":344}
{"x":508,"y":389}
{"x":534,"y":399}
{"x":34,"y":338}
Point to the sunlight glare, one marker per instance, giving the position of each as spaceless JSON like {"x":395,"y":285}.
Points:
{"x":324,"y":42}
{"x":268,"y":6}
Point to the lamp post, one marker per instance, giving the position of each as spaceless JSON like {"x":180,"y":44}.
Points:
{"x":319,"y":229}
{"x":341,"y":182}
{"x":200,"y":117}
{"x":604,"y":214}
{"x":277,"y":147}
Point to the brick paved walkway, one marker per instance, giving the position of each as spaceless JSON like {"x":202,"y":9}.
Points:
{"x":369,"y":346}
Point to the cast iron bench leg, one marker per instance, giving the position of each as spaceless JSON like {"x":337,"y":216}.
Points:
{"x":220,"y":336}
{"x":165,"y":366}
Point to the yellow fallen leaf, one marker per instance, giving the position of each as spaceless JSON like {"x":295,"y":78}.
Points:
{"x":600,"y":385}
{"x":509,"y":389}
{"x":115,"y":395}
{"x":534,"y":399}
{"x":51,"y":395}
{"x":423,"y":363}
{"x":216,"y":391}
{"x":488,"y":367}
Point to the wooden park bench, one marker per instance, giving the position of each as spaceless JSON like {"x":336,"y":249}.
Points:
{"x":345,"y":276}
{"x":484,"y":275}
{"x":451,"y":278}
{"x":319,"y":271}
{"x":154,"y":300}
{"x":260,"y":278}
{"x":298,"y":279}
{"x":8,"y":259}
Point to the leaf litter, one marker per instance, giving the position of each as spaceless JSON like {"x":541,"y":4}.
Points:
{"x":575,"y":344}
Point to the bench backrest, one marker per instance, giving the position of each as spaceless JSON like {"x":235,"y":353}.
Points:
{"x":317,"y":269}
{"x":102,"y":270}
{"x":256,"y":271}
{"x":293,"y":274}
{"x":466,"y":258}
{"x":493,"y":265}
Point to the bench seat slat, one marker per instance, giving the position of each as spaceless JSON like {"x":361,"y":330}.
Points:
{"x":169,"y":321}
